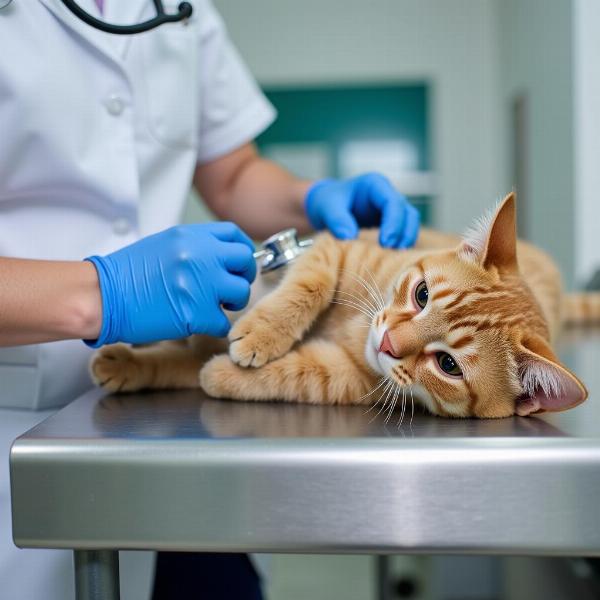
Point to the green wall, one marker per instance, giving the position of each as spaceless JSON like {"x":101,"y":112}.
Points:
{"x":332,"y":116}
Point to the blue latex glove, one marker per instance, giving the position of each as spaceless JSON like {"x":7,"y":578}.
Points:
{"x":364,"y":201}
{"x":173,"y":284}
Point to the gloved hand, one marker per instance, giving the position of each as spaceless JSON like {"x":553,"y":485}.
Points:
{"x":173,"y":284}
{"x":364,"y":201}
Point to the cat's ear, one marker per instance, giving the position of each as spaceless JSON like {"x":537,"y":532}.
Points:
{"x":547,"y":385}
{"x":493,"y":241}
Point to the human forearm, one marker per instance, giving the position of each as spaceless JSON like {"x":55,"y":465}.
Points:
{"x":42,"y":301}
{"x":258,"y":195}
{"x":264,"y":198}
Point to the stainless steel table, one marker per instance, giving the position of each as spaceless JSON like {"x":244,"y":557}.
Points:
{"x":179,"y":471}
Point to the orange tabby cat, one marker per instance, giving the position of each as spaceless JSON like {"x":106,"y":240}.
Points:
{"x":461,"y":322}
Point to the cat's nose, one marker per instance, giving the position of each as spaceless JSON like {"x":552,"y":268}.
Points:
{"x":386,"y":346}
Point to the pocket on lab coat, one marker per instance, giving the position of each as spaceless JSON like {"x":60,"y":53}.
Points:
{"x":170,"y":62}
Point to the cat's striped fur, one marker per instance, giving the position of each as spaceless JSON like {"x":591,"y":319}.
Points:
{"x":344,"y":326}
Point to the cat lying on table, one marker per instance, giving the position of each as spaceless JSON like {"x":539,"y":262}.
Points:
{"x":466,"y":325}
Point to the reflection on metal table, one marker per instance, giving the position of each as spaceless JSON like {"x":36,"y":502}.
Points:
{"x":180,"y":471}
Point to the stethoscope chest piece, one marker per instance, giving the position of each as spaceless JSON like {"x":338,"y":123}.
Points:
{"x":280,"y":249}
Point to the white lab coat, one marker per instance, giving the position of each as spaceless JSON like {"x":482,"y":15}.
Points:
{"x":99,"y":138}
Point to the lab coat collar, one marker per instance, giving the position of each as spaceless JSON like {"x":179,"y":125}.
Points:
{"x":115,"y":11}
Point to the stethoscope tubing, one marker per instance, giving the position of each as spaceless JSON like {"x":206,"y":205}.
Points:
{"x":184,"y":12}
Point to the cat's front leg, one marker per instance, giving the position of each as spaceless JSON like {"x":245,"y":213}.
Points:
{"x":317,"y":372}
{"x":280,"y":319}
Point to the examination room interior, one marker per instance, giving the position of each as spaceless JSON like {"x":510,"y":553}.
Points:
{"x":458,"y":102}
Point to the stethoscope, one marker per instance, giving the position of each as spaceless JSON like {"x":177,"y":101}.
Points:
{"x":280,"y":249}
{"x":184,"y":11}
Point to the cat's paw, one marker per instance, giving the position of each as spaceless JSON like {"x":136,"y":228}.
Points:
{"x":254,"y":342}
{"x":216,"y":376}
{"x":116,"y":369}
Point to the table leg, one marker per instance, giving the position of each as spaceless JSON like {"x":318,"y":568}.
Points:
{"x":382,"y":574}
{"x":97,"y":575}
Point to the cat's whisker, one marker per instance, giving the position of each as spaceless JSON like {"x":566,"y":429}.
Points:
{"x":377,"y":288}
{"x":381,"y":381}
{"x":352,"y":302}
{"x":365,"y":315}
{"x":375,"y":284}
{"x":384,"y":391}
{"x":355,"y":306}
{"x":393,"y":403}
{"x":387,"y":399}
{"x":399,"y":424}
{"x":388,"y":411}
{"x":367,"y":303}
{"x":374,"y":294}
{"x":365,"y":284}
{"x":403,"y":406}
{"x":368,"y":320}
{"x":388,"y":382}
{"x":370,"y":288}
{"x":356,"y":300}
{"x":366,"y":300}
{"x":412,"y":402}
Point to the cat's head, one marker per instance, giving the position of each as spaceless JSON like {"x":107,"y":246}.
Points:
{"x":466,"y":329}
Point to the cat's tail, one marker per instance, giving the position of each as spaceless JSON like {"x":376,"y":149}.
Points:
{"x":581,"y":308}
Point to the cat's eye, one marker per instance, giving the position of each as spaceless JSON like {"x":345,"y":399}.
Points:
{"x":448,"y":364}
{"x":421,"y":295}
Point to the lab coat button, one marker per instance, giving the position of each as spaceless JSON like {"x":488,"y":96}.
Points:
{"x":114,"y":105}
{"x":121,"y":226}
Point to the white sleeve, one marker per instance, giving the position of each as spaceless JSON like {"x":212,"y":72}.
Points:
{"x":233,"y":110}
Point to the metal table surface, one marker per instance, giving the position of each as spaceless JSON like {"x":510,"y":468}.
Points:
{"x":179,"y":471}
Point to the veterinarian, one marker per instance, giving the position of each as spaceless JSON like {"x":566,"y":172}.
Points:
{"x":102,"y":137}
